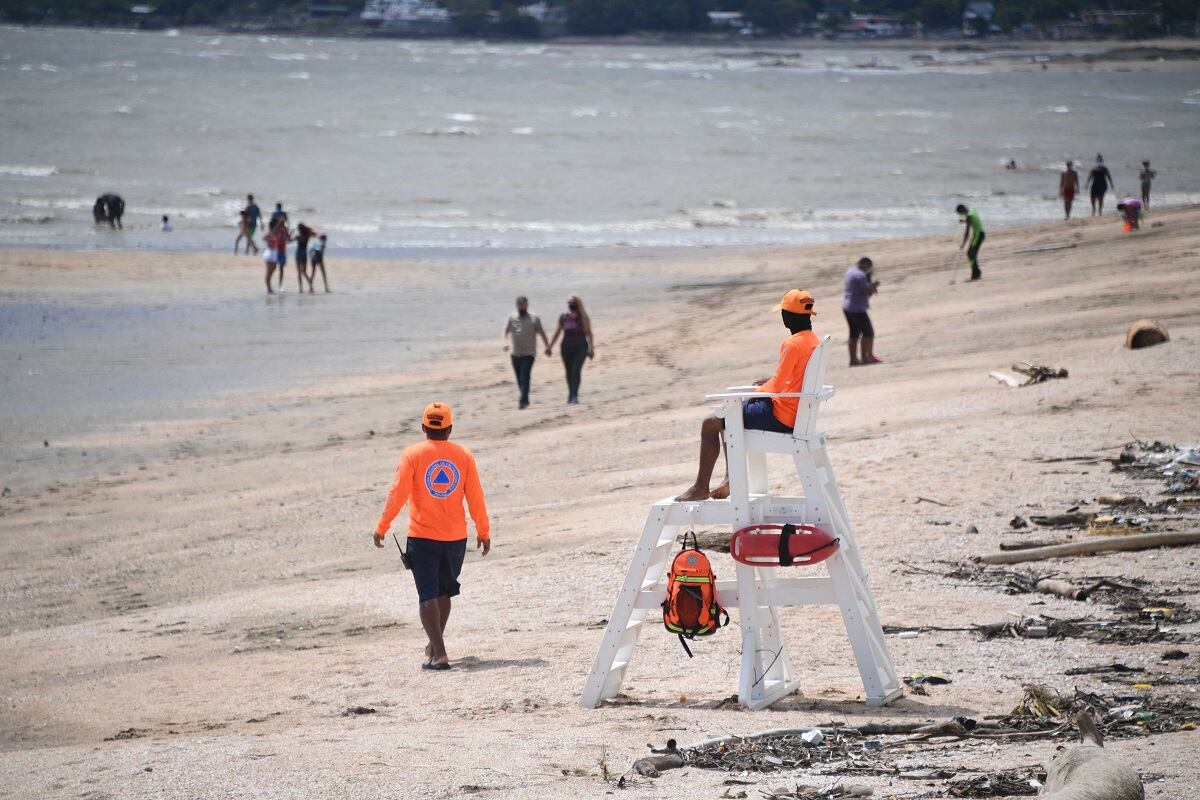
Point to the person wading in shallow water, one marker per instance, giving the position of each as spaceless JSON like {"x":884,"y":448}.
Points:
{"x":575,"y":327}
{"x":772,"y":414}
{"x":434,"y":478}
{"x":1068,"y":187}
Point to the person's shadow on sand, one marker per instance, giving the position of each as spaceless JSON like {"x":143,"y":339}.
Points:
{"x":475,"y":664}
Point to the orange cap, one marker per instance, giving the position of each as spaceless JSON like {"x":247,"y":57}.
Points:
{"x":796,"y":301}
{"x":438,"y":416}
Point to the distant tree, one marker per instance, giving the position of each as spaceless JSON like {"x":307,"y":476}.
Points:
{"x":940,"y":14}
{"x":470,"y":17}
{"x":514,"y":23}
{"x":776,"y":16}
{"x":664,"y":15}
{"x":602,"y":17}
{"x":1011,"y":15}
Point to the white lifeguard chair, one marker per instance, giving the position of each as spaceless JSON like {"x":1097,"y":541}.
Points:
{"x":759,"y":592}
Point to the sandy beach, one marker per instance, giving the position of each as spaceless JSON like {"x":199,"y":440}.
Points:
{"x":192,"y":603}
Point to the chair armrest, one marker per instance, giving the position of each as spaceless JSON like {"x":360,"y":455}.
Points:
{"x":747,"y":395}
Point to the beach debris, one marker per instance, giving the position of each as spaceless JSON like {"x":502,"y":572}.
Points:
{"x":1038,"y":373}
{"x":1146,"y":333}
{"x":1113,"y":525}
{"x":1033,"y":373}
{"x":1173,"y":655}
{"x":930,"y":500}
{"x":1144,"y":541}
{"x":971,"y":530}
{"x":1072,"y":519}
{"x":1006,"y":783}
{"x":1018,"y":522}
{"x":1176,"y":465}
{"x":358,"y":711}
{"x":1088,"y":770}
{"x":920,"y":679}
{"x":1010,"y":381}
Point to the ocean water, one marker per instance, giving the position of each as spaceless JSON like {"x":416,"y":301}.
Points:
{"x":391,"y":145}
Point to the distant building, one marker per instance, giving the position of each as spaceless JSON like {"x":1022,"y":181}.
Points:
{"x":414,"y":16}
{"x":977,"y":16}
{"x":727,"y":19}
{"x":141,"y":10}
{"x":876,"y":26}
{"x":545,"y":13}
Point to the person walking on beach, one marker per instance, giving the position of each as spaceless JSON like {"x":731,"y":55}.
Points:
{"x":434,"y":478}
{"x":1146,"y":177}
{"x":278,"y":214}
{"x":244,"y":231}
{"x":1100,"y":180}
{"x":269,"y":254}
{"x":317,"y":259}
{"x":523,"y":328}
{"x":772,"y":414}
{"x":253,"y":215}
{"x":973,"y":230}
{"x":282,"y":237}
{"x":1068,"y":187}
{"x":303,"y":234}
{"x":860,"y":285}
{"x":575,"y":327}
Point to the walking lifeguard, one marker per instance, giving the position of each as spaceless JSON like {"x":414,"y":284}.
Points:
{"x":435,"y":477}
{"x":773,"y":414}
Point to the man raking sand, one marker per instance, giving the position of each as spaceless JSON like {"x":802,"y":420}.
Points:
{"x":435,"y":477}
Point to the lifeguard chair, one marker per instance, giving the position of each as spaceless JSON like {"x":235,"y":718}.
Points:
{"x":758,"y":591}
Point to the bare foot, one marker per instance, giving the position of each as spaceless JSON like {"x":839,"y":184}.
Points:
{"x":693,"y":495}
{"x":721,"y":492}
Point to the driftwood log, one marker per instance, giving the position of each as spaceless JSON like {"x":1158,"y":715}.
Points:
{"x":1144,"y":541}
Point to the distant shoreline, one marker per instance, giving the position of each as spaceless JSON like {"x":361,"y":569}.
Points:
{"x":1170,"y":47}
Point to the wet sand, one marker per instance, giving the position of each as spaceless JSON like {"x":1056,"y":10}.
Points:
{"x":192,"y":601}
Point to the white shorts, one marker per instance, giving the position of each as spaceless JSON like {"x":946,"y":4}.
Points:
{"x":268,"y":256}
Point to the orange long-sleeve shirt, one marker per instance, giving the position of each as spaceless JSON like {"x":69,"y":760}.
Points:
{"x":434,"y":478}
{"x":789,"y":374}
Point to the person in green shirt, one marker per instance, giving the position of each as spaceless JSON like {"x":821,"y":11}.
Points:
{"x":972,"y":229}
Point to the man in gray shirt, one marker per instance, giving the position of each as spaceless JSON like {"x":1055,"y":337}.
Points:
{"x":523,"y":328}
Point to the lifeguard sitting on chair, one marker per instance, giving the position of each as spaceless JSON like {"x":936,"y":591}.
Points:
{"x":773,"y":414}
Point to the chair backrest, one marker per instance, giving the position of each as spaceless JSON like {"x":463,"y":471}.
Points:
{"x":814,"y":384}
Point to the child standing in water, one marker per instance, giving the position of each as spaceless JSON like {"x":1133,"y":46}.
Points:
{"x":316,"y":257}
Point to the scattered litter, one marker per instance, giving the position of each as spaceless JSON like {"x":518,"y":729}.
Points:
{"x":1072,"y":519}
{"x":1008,"y":783}
{"x":1176,"y":465}
{"x":1037,"y":373}
{"x":1110,"y":525}
{"x":354,"y":711}
{"x":919,"y":679}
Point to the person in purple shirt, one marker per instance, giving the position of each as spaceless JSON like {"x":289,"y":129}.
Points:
{"x":575,"y":328}
{"x":860,"y":285}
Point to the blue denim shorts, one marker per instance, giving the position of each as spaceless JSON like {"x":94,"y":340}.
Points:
{"x":758,"y":414}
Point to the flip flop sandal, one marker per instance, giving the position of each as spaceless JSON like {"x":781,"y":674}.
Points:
{"x":436,"y":667}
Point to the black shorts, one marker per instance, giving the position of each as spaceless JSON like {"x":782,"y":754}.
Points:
{"x":860,"y":324}
{"x":318,"y":258}
{"x":436,"y":566}
{"x":301,"y":256}
{"x":1099,"y":191}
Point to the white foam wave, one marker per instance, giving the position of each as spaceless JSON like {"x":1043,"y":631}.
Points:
{"x":288,"y":57}
{"x":461,"y":116}
{"x":298,"y":76}
{"x":27,"y":171}
{"x":523,"y":131}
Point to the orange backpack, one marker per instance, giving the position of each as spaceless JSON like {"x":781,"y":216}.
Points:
{"x":691,"y":609}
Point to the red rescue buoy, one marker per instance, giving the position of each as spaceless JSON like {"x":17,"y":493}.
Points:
{"x":782,"y":545}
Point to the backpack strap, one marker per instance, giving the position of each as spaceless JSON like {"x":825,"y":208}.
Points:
{"x":686,"y":649}
{"x":785,"y":551}
{"x":695,"y":541}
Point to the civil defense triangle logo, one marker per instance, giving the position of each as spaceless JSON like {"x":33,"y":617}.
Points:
{"x":441,"y":478}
